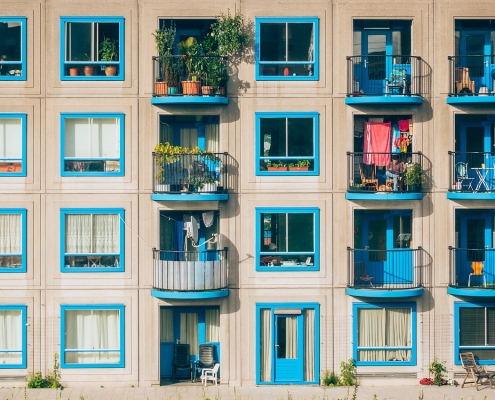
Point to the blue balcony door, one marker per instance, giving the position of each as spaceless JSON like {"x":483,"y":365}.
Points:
{"x":477,"y":46}
{"x":288,"y":348}
{"x":375,"y":66}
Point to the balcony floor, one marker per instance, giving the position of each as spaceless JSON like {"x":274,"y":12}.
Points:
{"x":477,"y":291}
{"x":385,"y":99}
{"x":384,"y":292}
{"x":190,"y":295}
{"x":158,"y":100}
{"x":383,"y":196}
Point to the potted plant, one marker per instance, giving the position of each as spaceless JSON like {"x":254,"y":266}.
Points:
{"x":276,"y":166}
{"x":414,"y":177}
{"x":164,"y":43}
{"x":300,"y":165}
{"x":109,"y":51}
{"x":205,"y":182}
{"x":189,"y":50}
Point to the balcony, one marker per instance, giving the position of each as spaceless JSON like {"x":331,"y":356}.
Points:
{"x":472,"y":176}
{"x":386,"y":273}
{"x":385,"y":80}
{"x":472,"y":272}
{"x":367,"y":177}
{"x":472,"y":80}
{"x":174,"y":83}
{"x":192,"y":177}
{"x":190,"y":274}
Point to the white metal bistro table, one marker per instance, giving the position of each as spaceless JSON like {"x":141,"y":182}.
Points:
{"x":482,"y":174}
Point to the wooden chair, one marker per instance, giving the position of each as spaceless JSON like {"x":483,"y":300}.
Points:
{"x":477,"y":372}
{"x":368,"y":176}
{"x":361,"y":274}
{"x":463,"y":83}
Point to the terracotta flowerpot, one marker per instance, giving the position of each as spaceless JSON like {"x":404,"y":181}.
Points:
{"x":161,"y":89}
{"x":277,"y":168}
{"x":207,"y":90}
{"x":110,"y":70}
{"x":89,"y":70}
{"x":298,"y":168}
{"x":73,"y":71}
{"x":191,"y":88}
{"x":220,"y":91}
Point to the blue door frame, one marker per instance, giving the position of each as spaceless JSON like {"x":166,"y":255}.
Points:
{"x":288,"y":367}
{"x":480,"y":70}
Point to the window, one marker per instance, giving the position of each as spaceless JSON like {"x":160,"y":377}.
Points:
{"x":287,"y":239}
{"x":13,"y":336}
{"x":92,"y":336}
{"x":12,"y":240}
{"x":287,"y":143}
{"x":13,"y":48}
{"x":12,"y":144}
{"x":475,"y":331}
{"x":92,"y":144}
{"x":92,"y":240}
{"x":287,"y":48}
{"x":287,"y":343}
{"x":384,"y":334}
{"x":92,"y":48}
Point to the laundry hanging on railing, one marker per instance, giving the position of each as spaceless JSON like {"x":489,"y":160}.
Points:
{"x":376,"y":147}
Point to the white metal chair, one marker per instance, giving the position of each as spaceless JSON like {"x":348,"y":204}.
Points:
{"x":210,"y":374}
{"x":461,"y":170}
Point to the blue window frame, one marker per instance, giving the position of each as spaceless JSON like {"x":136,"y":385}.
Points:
{"x":13,"y":134}
{"x":287,"y":343}
{"x":375,"y":343}
{"x":287,"y":49}
{"x":13,"y":238}
{"x":92,"y":336}
{"x":13,"y":48}
{"x":287,"y":143}
{"x":474,"y":331}
{"x":13,"y":338}
{"x":287,"y":239}
{"x":92,"y":144}
{"x":92,"y":240}
{"x":81,"y":48}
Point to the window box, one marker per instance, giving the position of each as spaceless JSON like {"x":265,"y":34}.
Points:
{"x":92,"y":144}
{"x":92,"y":240}
{"x":13,"y":240}
{"x":287,"y":48}
{"x":13,"y":340}
{"x":287,"y":143}
{"x":12,"y":144}
{"x":92,"y":336}
{"x":84,"y":41}
{"x":287,"y":239}
{"x":13,"y":48}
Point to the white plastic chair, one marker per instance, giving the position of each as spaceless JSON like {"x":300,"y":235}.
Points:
{"x":210,"y":374}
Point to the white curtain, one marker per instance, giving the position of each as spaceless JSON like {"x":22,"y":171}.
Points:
{"x":266,"y":345}
{"x":309,"y":344}
{"x":166,"y":325}
{"x":92,"y":234}
{"x":92,"y":330}
{"x":10,"y":138}
{"x":398,"y":333}
{"x":212,"y":137}
{"x":166,"y":133}
{"x":10,"y":234}
{"x":189,"y":331}
{"x":212,"y":322}
{"x":10,"y":336}
{"x":290,"y":337}
{"x":189,"y":137}
{"x":92,"y":137}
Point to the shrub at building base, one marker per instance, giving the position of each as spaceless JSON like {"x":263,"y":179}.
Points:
{"x":52,"y":379}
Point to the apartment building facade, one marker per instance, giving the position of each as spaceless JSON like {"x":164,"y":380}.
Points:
{"x":338,"y":204}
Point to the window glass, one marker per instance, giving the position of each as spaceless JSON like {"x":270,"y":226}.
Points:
{"x":12,"y":48}
{"x":11,"y":337}
{"x":477,"y":332}
{"x":11,"y":145}
{"x":11,"y":236}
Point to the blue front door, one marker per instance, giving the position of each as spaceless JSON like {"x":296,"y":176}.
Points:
{"x":288,"y":348}
{"x":477,"y":47}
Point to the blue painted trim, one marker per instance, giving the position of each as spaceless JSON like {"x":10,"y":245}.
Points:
{"x":470,"y":196}
{"x":65,"y":116}
{"x":190,"y":100}
{"x":23,"y":309}
{"x":121,"y":72}
{"x":23,"y":213}
{"x":119,"y":307}
{"x":383,"y":196}
{"x":385,"y":293}
{"x":6,"y":63}
{"x":285,"y":20}
{"x":190,"y":197}
{"x":289,"y":210}
{"x":471,"y":100}
{"x":471,"y":292}
{"x":316,"y":144}
{"x":273,"y":306}
{"x":210,"y":294}
{"x":357,"y":306}
{"x":391,"y":99}
{"x":113,"y":211}
{"x":23,"y":118}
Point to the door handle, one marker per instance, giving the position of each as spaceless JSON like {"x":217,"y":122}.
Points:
{"x":366,"y":62}
{"x":486,"y":63}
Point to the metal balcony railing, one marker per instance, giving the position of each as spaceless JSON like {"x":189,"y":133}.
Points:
{"x":472,"y":268}
{"x":472,"y":172}
{"x":385,"y":75}
{"x":472,"y":75}
{"x":193,"y":173}
{"x":367,"y":172}
{"x":386,"y":269}
{"x":189,"y":75}
{"x":189,"y":270}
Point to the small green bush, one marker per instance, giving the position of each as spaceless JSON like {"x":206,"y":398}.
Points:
{"x":52,"y":379}
{"x":329,"y":379}
{"x":348,"y":373}
{"x":36,"y":381}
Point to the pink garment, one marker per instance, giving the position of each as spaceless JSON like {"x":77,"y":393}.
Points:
{"x":403,"y":125}
{"x":376,"y":141}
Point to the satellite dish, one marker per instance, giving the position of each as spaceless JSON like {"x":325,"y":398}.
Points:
{"x":194,"y":230}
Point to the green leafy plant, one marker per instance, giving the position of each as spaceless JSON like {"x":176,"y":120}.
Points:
{"x":348,"y":373}
{"x":300,"y":164}
{"x":438,"y":370}
{"x":329,"y":379}
{"x":230,"y":33}
{"x":277,"y":164}
{"x":109,"y":50}
{"x":414,"y":175}
{"x":52,"y":379}
{"x":169,"y":65}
